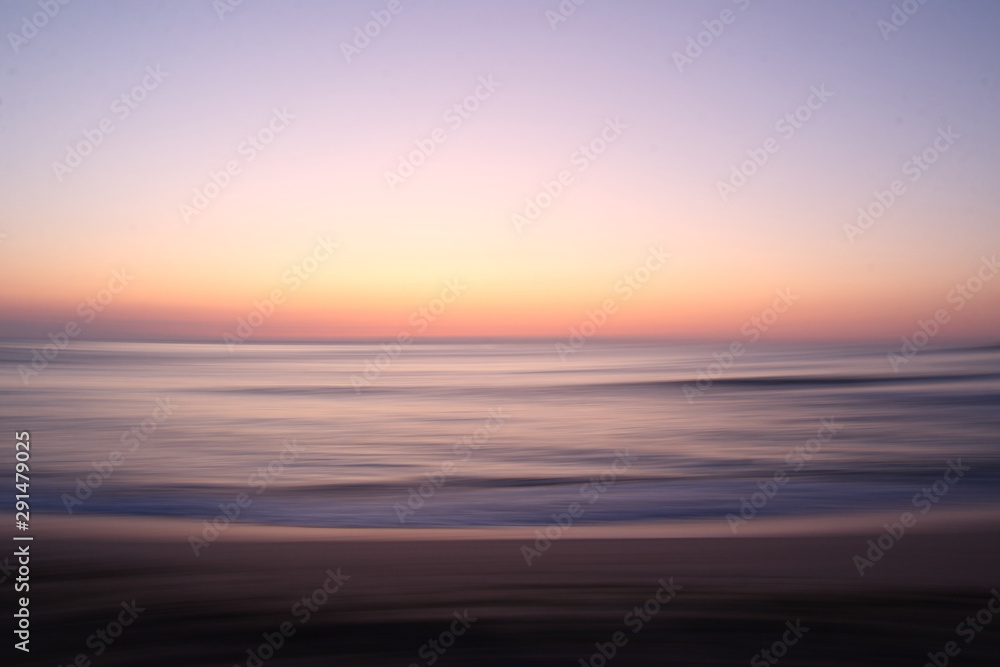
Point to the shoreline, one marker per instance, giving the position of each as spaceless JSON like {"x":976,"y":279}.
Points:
{"x":940,"y":520}
{"x":396,"y":591}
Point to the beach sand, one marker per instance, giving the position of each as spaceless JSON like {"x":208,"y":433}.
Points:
{"x":731,"y":596}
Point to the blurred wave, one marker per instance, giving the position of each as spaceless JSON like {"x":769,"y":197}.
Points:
{"x":701,"y":436}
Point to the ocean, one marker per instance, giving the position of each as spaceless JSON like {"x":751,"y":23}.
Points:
{"x":461,"y":434}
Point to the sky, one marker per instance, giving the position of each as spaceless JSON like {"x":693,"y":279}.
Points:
{"x":359,"y":179}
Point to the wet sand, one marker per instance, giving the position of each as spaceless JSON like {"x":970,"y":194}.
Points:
{"x":701,"y":600}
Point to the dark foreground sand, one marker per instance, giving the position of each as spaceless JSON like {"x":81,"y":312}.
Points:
{"x":733,"y":597}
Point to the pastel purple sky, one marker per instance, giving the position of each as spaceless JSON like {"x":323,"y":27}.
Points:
{"x":656,"y":185}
